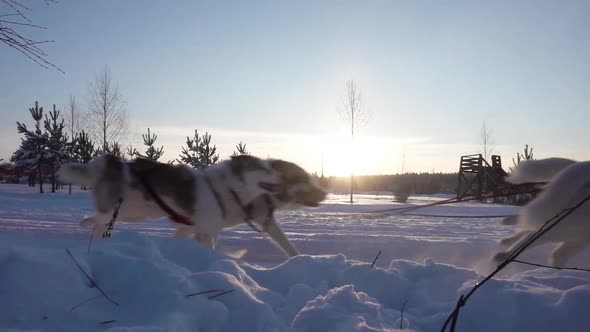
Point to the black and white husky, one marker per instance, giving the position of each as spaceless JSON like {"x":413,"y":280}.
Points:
{"x":568,"y":182}
{"x":202,"y":203}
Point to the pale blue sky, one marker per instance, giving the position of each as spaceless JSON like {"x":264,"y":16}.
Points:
{"x":271,"y":73}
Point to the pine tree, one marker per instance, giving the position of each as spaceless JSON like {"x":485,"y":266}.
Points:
{"x":83,"y":149}
{"x":528,"y":155}
{"x":240,"y":149}
{"x":191,"y":153}
{"x":151,"y":152}
{"x":114,"y":149}
{"x":20,"y":161}
{"x":31,"y":154}
{"x":131,"y":152}
{"x":57,"y":142}
{"x":208,"y":153}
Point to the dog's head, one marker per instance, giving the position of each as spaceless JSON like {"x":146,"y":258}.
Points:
{"x":297,"y":186}
{"x":254,"y":177}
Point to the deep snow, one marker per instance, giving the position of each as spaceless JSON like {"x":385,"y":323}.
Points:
{"x":427,"y":262}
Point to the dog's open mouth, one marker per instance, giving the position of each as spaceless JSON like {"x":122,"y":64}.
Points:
{"x":311,"y":204}
{"x":270,"y":187}
{"x":310,"y":198}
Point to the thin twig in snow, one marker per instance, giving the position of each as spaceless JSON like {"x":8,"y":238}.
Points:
{"x":94,"y":283}
{"x":375,"y":260}
{"x":220,"y":294}
{"x":205,"y":292}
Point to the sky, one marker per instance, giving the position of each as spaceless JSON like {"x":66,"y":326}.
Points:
{"x":272,"y":75}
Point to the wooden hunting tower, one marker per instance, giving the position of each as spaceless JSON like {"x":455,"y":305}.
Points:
{"x":477,"y":177}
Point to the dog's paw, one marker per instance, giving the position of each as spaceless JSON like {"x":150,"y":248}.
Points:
{"x":236,"y":253}
{"x":88,"y":222}
{"x":501,"y":257}
{"x":183,"y":231}
{"x":97,"y":229}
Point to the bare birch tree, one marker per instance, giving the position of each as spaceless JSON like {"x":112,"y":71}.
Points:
{"x":107,"y":118}
{"x":351,"y":110}
{"x":486,"y":141}
{"x":73,"y":123}
{"x":72,"y":117}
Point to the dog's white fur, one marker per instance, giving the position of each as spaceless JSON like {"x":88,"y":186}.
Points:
{"x":568,"y":183}
{"x":208,"y":218}
{"x":299,"y":189}
{"x":541,"y":170}
{"x":214,"y":208}
{"x":261,"y":221}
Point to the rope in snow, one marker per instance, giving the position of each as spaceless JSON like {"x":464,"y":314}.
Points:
{"x":459,"y":216}
{"x":551,"y":267}
{"x":401,"y":210}
{"x":547,"y":226}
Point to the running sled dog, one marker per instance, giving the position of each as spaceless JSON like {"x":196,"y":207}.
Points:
{"x":201,"y":203}
{"x":568,"y":182}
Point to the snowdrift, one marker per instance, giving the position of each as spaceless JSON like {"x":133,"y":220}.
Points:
{"x":150,"y":278}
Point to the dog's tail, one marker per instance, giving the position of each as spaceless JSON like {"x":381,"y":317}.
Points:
{"x":542,"y":170}
{"x":82,"y":174}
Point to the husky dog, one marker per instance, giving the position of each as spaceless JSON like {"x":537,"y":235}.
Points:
{"x":568,"y":183}
{"x":297,"y":188}
{"x":205,"y":202}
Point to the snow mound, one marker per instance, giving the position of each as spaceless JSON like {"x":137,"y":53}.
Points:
{"x":150,"y":278}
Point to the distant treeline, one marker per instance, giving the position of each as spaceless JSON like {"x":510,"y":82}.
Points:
{"x":416,"y":183}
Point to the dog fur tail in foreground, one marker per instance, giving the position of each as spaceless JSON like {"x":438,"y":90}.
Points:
{"x":82,"y":174}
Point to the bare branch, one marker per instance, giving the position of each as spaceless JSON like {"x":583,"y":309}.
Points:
{"x":25,"y":24}
{"x":16,"y":40}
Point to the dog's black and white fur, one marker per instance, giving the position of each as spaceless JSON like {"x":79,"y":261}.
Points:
{"x":567,"y":184}
{"x":242,"y":189}
{"x":297,"y":188}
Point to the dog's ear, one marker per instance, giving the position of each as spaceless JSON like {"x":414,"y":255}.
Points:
{"x":285,"y":167}
{"x":290,"y":172}
{"x":244,"y":163}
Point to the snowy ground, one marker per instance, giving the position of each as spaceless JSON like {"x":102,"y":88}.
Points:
{"x":426,"y":262}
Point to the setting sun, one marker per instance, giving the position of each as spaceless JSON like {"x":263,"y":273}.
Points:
{"x":340,"y":157}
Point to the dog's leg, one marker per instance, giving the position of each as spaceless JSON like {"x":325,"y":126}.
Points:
{"x":99,"y":223}
{"x":510,"y":240}
{"x":277,"y":235}
{"x":524,"y":236}
{"x":183,"y":231}
{"x":565,"y":252}
{"x":205,"y":240}
{"x":511,"y":220}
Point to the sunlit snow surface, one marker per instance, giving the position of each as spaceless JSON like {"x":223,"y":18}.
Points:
{"x":427,"y":261}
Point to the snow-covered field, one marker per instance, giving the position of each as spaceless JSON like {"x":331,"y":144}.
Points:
{"x":426,"y":263}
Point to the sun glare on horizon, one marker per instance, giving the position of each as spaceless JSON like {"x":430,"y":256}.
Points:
{"x":367,"y":155}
